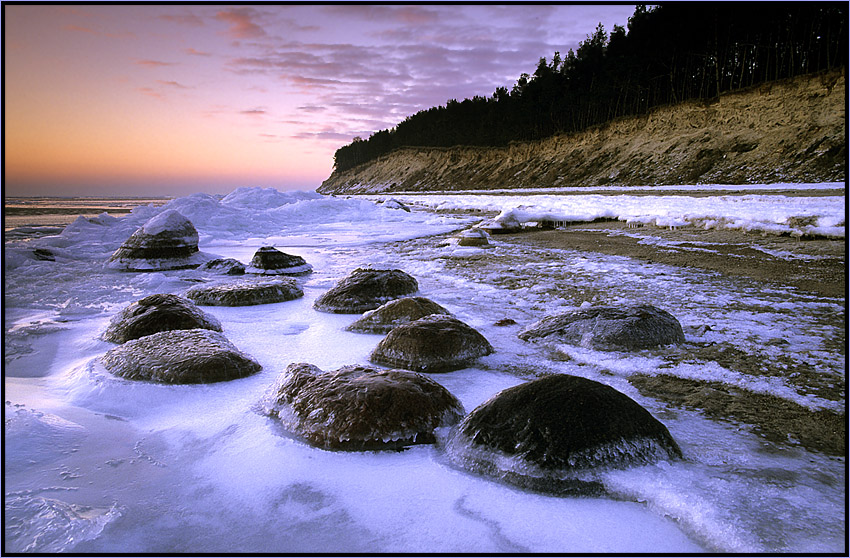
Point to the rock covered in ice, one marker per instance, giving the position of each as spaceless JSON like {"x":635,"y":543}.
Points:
{"x":555,"y":433}
{"x":435,"y":343}
{"x":609,"y":328}
{"x":395,"y":313}
{"x":393,"y":203}
{"x":366,"y":289}
{"x":246,"y":292}
{"x":268,"y":260}
{"x":33,"y":524}
{"x":187,"y":356}
{"x":505,"y":222}
{"x":224,"y":266}
{"x":167,"y":241}
{"x":474,"y":237}
{"x":155,"y":313}
{"x":359,"y":407}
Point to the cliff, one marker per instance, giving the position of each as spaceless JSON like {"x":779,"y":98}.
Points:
{"x":788,"y":131}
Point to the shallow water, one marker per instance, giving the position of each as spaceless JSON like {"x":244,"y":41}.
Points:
{"x":108,"y":465}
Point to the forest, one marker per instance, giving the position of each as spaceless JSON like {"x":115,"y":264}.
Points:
{"x":667,"y":54}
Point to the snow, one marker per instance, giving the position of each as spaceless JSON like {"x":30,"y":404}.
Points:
{"x":751,"y":212}
{"x":101,"y":464}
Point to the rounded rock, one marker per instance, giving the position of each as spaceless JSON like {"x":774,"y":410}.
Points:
{"x":189,"y":356}
{"x":609,"y":328}
{"x":224,"y":266}
{"x":474,"y":237}
{"x":167,"y":241}
{"x":554,"y":434}
{"x":246,"y":292}
{"x":435,"y":343}
{"x":360,"y":408}
{"x":366,"y":289}
{"x":268,"y":260}
{"x":155,"y":313}
{"x":395,"y":313}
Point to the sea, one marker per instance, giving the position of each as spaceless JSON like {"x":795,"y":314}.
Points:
{"x":94,"y":463}
{"x":41,"y":216}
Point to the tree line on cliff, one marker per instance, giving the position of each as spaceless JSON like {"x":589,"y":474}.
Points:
{"x":672,"y":53}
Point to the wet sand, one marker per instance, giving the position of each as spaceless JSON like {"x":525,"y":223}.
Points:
{"x":817,"y":265}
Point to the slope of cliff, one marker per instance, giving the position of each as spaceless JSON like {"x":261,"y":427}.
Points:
{"x":788,"y":131}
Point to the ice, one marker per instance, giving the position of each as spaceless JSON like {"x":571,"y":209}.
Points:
{"x":768,"y":213}
{"x":106,"y":465}
{"x":46,"y":525}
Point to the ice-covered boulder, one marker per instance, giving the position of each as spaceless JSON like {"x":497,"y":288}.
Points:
{"x":393,"y":203}
{"x":609,"y":328}
{"x":167,"y":241}
{"x":435,"y":343}
{"x":186,"y":356}
{"x":505,"y":222}
{"x":224,"y":266}
{"x":155,"y":313}
{"x":246,"y":292}
{"x":474,"y":237}
{"x":359,"y":407}
{"x":556,"y":434}
{"x":396,"y":312}
{"x":268,"y":260}
{"x":366,"y":289}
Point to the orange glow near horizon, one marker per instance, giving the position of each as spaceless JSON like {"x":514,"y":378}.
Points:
{"x":174,"y":99}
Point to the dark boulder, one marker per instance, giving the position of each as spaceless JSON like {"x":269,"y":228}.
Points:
{"x":556,"y":433}
{"x":246,"y":292}
{"x":268,"y":260}
{"x":167,"y":241}
{"x":435,"y":343}
{"x":366,"y":289}
{"x":360,"y":408}
{"x":395,"y":313}
{"x":224,"y":266}
{"x":155,"y":313}
{"x":609,"y":328}
{"x":44,"y":255}
{"x":187,"y":356}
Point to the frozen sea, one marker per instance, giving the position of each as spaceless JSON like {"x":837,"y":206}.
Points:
{"x":98,"y":464}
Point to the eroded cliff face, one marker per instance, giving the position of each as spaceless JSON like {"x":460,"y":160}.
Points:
{"x":789,"y":131}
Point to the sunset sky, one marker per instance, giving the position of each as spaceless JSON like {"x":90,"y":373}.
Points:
{"x":172,"y":100}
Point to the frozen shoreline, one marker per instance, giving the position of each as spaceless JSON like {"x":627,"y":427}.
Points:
{"x":194,"y":469}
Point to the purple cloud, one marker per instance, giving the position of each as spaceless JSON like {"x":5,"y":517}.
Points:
{"x":184,"y":19}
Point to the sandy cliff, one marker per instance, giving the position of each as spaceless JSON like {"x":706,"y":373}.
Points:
{"x":789,"y":131}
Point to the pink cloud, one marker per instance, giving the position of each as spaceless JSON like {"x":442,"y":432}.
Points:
{"x":195,"y":52}
{"x":153,"y":63}
{"x":173,"y":84}
{"x":151,"y":92}
{"x":241,"y":24}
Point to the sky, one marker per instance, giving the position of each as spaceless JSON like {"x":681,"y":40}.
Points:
{"x":169,"y":100}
